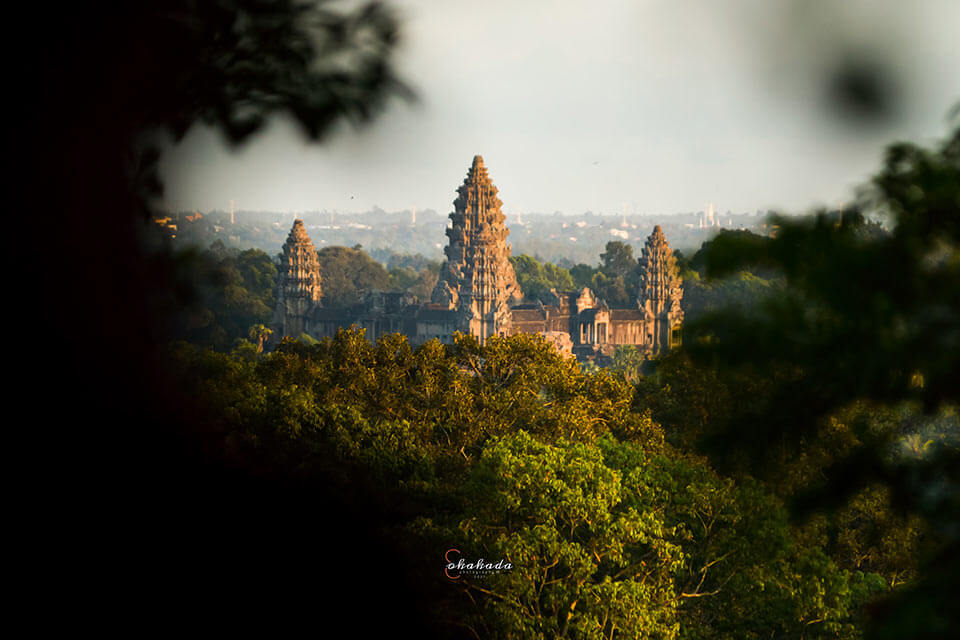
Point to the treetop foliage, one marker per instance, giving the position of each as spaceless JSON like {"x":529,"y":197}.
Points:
{"x":865,"y":316}
{"x":513,"y":451}
{"x":347,"y":273}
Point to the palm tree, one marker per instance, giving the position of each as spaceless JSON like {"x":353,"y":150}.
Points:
{"x":260,"y":333}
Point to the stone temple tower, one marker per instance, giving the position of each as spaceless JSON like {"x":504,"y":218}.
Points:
{"x":299,"y":289}
{"x":659,"y":292}
{"x":477,"y":279}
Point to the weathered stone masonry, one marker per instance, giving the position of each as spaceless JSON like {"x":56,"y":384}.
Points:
{"x":478,"y":293}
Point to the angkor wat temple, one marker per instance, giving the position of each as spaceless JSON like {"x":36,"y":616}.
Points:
{"x":477,"y":292}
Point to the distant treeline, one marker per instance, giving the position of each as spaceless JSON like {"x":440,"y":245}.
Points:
{"x":235,"y":290}
{"x":616,"y":278}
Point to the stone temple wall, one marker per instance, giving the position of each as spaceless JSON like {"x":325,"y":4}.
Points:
{"x":478,"y":292}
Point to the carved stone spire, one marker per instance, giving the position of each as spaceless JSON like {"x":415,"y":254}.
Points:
{"x":660,"y":289}
{"x":299,"y":282}
{"x":477,"y":278}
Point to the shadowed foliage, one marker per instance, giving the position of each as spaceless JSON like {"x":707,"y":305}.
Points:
{"x":509,"y":451}
{"x":145,"y":504}
{"x":864,"y":316}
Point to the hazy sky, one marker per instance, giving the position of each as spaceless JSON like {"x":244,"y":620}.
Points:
{"x":648,"y":105}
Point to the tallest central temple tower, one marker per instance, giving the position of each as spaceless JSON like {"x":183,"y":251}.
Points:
{"x":477,"y":279}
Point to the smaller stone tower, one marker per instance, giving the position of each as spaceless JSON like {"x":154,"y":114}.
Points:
{"x":659,"y":292}
{"x":298,"y":291}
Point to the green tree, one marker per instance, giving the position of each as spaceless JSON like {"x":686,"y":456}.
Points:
{"x":584,"y":565}
{"x":864,"y":316}
{"x":614,"y":291}
{"x":617,"y":260}
{"x":261,"y":333}
{"x":628,"y":360}
{"x":402,"y":278}
{"x":747,"y":574}
{"x":522,"y":382}
{"x":349,"y":272}
{"x":233,"y":291}
{"x":582,"y":275}
{"x":537,"y":280}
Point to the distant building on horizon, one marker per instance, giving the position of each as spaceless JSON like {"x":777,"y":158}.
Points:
{"x":477,"y":292}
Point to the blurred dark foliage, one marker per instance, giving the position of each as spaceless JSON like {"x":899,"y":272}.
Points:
{"x":862,"y":91}
{"x":130,"y":523}
{"x":865,"y":316}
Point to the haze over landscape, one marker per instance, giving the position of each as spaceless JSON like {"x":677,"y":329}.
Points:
{"x":616,"y":107}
